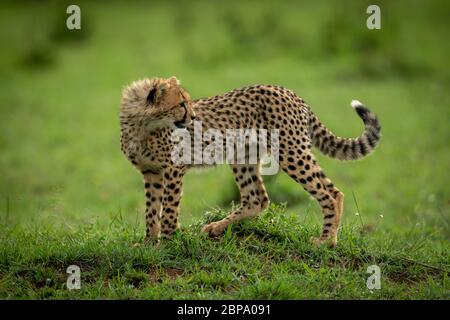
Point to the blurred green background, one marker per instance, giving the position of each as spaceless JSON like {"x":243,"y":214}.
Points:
{"x":60,"y":160}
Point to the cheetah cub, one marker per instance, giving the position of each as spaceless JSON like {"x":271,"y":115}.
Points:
{"x":152,"y":109}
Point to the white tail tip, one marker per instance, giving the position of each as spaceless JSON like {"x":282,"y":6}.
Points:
{"x":356,"y":103}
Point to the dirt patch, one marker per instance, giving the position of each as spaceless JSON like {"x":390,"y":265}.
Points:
{"x":159,"y":274}
{"x":174,"y":273}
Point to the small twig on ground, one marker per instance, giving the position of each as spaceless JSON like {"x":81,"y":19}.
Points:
{"x":424,"y":264}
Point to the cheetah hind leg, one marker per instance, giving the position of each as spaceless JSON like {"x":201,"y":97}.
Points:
{"x":339,"y":206}
{"x":254,"y":198}
{"x":338,"y":196}
{"x":310,"y":176}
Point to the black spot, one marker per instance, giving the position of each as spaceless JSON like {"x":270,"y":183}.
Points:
{"x":363,"y":148}
{"x":363,"y":113}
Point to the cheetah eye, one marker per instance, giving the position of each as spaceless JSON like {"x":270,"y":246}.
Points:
{"x":151,"y":96}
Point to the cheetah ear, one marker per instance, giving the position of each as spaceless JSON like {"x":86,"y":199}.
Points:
{"x":173,"y":80}
{"x":162,"y":88}
{"x":151,"y":96}
{"x":160,"y":92}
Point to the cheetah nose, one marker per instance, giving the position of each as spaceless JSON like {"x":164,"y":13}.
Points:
{"x":193,"y":118}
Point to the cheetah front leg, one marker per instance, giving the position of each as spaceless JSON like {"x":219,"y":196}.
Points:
{"x":173,"y":190}
{"x":153,"y":194}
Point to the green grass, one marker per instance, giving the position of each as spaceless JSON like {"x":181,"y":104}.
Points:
{"x":269,"y":258}
{"x":68,"y":196}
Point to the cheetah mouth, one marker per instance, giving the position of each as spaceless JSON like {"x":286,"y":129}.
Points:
{"x":180,"y":124}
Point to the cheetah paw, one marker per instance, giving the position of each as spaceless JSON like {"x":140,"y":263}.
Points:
{"x":214,"y":229}
{"x":319,"y":241}
{"x":149,"y":242}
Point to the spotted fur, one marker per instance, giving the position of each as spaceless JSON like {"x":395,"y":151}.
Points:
{"x":151,"y":110}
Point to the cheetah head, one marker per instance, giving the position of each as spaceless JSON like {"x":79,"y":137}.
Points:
{"x":152,"y":104}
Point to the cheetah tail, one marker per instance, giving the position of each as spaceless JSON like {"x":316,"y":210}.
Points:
{"x":347,"y":148}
